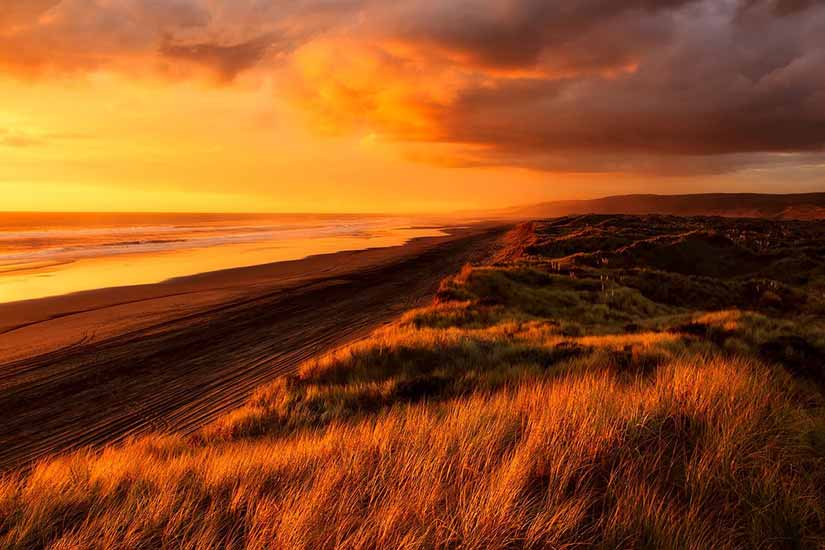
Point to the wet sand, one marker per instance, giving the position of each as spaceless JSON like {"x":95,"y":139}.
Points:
{"x":98,"y":366}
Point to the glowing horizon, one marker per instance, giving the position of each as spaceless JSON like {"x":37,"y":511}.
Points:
{"x":196,"y":106}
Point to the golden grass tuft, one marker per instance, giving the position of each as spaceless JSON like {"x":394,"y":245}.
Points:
{"x":524,"y":409}
{"x":700,"y":455}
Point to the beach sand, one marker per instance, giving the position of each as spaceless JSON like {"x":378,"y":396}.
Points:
{"x":98,"y":366}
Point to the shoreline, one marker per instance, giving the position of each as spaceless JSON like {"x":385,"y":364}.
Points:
{"x":57,"y":269}
{"x":200,"y":290}
{"x":96,"y":367}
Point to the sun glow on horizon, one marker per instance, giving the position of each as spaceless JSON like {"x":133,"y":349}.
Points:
{"x":110,"y":143}
{"x":217,"y":106}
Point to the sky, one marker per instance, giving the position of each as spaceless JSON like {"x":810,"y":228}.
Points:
{"x":404,"y":105}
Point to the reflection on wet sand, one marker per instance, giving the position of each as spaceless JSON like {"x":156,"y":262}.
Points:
{"x":52,"y":278}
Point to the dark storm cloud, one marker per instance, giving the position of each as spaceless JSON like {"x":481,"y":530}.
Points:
{"x":515,"y":34}
{"x":47,"y":37}
{"x":781,"y":7}
{"x":645,"y":86}
{"x":226,"y":60}
{"x":675,"y":86}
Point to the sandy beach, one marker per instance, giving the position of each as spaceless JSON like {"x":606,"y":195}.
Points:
{"x":98,"y":366}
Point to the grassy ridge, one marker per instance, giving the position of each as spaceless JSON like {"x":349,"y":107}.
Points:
{"x":545,"y":402}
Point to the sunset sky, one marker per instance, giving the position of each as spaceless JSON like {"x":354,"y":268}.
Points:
{"x":404,"y":105}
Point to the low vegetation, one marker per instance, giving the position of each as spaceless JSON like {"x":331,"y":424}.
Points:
{"x":569,"y":396}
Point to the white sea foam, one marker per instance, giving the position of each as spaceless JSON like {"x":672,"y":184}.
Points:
{"x":20,"y":245}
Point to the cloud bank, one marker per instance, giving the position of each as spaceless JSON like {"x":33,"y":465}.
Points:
{"x":642,"y":86}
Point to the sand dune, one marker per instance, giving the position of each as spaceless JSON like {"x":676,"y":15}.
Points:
{"x":800,"y":206}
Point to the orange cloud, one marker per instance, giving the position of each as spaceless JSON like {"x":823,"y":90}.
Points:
{"x":352,"y":85}
{"x":644,"y":86}
{"x":647,"y":87}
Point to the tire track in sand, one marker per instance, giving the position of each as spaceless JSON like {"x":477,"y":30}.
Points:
{"x":179,"y":375}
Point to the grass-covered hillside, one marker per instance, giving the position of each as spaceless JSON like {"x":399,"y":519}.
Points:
{"x":604,"y":382}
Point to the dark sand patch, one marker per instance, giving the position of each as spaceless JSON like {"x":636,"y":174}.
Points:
{"x":96,"y":367}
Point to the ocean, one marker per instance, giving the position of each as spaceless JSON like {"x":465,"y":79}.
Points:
{"x":49,"y":254}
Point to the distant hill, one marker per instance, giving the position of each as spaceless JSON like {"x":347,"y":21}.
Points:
{"x":807,"y":206}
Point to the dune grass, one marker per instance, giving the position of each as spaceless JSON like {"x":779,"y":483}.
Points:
{"x":526,"y":408}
